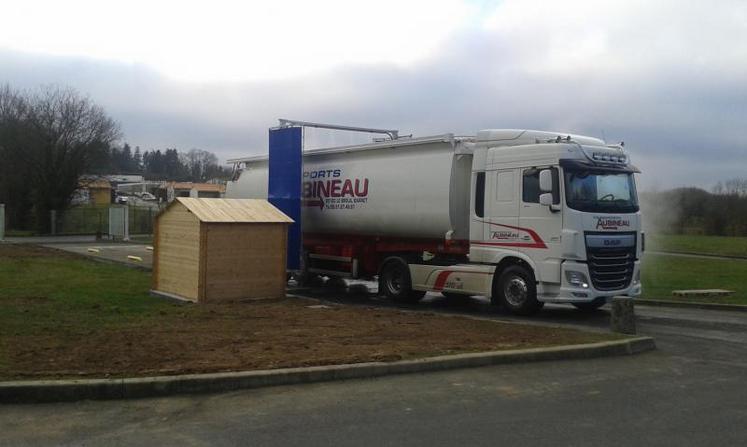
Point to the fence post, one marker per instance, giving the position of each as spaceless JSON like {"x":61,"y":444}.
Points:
{"x":126,"y":223}
{"x":52,"y":221}
{"x":2,"y":221}
{"x":98,"y":229}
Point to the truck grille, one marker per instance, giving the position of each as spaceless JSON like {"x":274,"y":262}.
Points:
{"x":611,"y":268}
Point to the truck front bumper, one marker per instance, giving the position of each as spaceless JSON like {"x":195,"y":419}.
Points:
{"x":570,"y":293}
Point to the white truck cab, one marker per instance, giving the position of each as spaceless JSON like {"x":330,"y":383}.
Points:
{"x":565,"y":207}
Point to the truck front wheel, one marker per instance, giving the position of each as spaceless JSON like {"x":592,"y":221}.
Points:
{"x":395,"y":282}
{"x":517,"y":291}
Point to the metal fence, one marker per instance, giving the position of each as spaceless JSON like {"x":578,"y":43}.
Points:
{"x":85,"y":220}
{"x":142,"y":219}
{"x":79,"y":220}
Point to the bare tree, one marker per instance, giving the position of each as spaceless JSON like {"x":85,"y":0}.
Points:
{"x":202,"y":165}
{"x":52,"y":136}
{"x":735,"y":186}
{"x":14,"y":172}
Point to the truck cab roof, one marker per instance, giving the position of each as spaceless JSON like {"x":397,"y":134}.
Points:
{"x":520,"y":137}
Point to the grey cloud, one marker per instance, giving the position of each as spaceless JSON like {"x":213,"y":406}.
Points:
{"x":682,"y":123}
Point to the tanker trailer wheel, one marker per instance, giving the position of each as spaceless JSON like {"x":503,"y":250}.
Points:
{"x":517,"y":291}
{"x":395,"y":282}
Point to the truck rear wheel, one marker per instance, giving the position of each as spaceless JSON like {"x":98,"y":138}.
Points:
{"x":395,"y":282}
{"x":517,"y":291}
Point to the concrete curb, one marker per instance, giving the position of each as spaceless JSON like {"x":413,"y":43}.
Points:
{"x":72,"y":390}
{"x":709,"y":306}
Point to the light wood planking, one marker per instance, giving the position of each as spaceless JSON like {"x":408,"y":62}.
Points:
{"x":234,"y":210}
{"x":178,"y":252}
{"x":220,"y":250}
{"x":203,"y":262}
{"x":245,"y":261}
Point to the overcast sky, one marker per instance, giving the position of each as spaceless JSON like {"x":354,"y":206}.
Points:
{"x":667,"y":77}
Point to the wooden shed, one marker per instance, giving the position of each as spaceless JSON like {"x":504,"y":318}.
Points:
{"x":212,"y":250}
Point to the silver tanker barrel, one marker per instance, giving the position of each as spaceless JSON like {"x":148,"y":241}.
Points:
{"x":415,"y":187}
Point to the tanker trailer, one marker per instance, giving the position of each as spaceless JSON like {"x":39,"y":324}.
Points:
{"x":480,"y":215}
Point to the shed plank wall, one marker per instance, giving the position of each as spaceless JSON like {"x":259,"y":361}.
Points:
{"x":178,"y":258}
{"x":245,"y":260}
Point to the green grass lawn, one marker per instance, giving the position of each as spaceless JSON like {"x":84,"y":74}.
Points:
{"x":68,"y":297}
{"x":714,"y":245}
{"x":72,"y":294}
{"x":662,"y":274}
{"x":19,"y":233}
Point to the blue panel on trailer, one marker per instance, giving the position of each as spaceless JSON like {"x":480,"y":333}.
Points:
{"x":284,"y":186}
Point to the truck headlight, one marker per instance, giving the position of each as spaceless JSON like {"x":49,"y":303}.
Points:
{"x":637,"y":278}
{"x":577,"y":279}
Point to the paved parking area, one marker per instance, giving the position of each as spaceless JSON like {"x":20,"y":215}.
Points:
{"x":111,"y":251}
{"x":105,"y":250}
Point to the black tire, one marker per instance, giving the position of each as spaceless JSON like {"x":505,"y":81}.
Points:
{"x":516,"y":290}
{"x":395,"y":282}
{"x":591,"y":305}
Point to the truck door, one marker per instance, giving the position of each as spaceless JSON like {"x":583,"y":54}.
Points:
{"x":541,"y":225}
{"x":502,"y":208}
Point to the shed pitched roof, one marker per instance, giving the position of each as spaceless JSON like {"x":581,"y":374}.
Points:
{"x":234,"y":210}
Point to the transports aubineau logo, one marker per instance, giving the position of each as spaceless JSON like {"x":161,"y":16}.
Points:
{"x":327,"y":188}
{"x":611,"y":223}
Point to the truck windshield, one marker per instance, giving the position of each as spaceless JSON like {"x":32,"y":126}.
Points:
{"x":600,"y":192}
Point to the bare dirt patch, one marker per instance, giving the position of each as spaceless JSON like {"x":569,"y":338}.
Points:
{"x":265,"y":335}
{"x":73,"y":317}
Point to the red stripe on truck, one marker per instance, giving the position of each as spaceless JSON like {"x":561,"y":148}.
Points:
{"x":441,"y":280}
{"x":539,"y":244}
{"x":443,"y":276}
{"x":537,"y":241}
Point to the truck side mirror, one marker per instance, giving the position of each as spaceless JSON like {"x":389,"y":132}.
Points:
{"x":546,"y":180}
{"x":546,"y":199}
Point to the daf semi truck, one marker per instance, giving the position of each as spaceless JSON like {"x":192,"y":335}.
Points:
{"x":523,"y":217}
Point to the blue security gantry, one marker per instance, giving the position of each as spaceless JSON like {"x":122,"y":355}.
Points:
{"x":284,"y":183}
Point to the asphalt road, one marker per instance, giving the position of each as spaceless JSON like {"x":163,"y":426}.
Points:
{"x":690,"y":392}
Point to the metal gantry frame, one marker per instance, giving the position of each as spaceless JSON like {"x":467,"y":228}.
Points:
{"x":393,"y":133}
